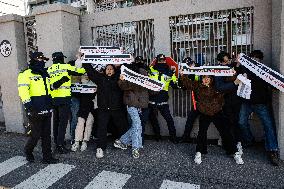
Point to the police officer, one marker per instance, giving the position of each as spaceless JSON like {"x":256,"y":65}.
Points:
{"x":34,"y":90}
{"x":158,"y":101}
{"x":60,"y":78}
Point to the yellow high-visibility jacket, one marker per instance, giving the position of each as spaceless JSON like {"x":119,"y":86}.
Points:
{"x":56,"y":72}
{"x":34,"y":91}
{"x":166,"y":79}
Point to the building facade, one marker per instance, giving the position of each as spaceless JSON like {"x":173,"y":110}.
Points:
{"x":176,"y":28}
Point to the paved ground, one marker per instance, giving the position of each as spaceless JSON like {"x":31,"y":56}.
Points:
{"x":162,"y":165}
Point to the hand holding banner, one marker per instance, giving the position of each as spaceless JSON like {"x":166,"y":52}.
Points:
{"x":141,"y":80}
{"x":83,"y":88}
{"x":207,"y":70}
{"x":104,"y":55}
{"x":264,"y":72}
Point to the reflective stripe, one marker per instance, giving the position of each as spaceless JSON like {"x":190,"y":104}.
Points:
{"x":35,"y":77}
{"x":23,"y":85}
{"x":158,"y":104}
{"x":57,"y":71}
{"x":64,"y":87}
{"x":26,"y":101}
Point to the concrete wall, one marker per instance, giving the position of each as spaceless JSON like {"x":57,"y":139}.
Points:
{"x":277,"y":60}
{"x":11,"y":27}
{"x":57,"y":27}
{"x":161,"y":12}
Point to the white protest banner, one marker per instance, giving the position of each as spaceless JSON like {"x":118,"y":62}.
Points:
{"x":264,"y":72}
{"x":104,"y":55}
{"x":141,"y":80}
{"x":244,"y":88}
{"x":100,"y":50}
{"x":83,"y":88}
{"x":207,"y":70}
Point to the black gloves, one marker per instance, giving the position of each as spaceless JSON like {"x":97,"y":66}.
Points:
{"x":58,"y":83}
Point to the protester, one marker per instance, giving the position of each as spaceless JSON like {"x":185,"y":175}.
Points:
{"x":258,"y":103}
{"x":136,"y":98}
{"x":34,"y":90}
{"x":85,"y":118}
{"x":227,"y":85}
{"x":193,"y":113}
{"x":110,"y":104}
{"x":158,"y":101}
{"x":210,"y":103}
{"x":75,"y":97}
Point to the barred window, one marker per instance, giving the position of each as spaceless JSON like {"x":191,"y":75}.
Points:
{"x":202,"y":36}
{"x":137,"y":37}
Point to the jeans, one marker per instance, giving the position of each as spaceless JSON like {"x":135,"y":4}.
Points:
{"x":75,"y":104}
{"x":133,"y":135}
{"x":266,"y":119}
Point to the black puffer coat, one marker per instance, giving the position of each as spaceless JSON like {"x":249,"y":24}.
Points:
{"x":110,"y":96}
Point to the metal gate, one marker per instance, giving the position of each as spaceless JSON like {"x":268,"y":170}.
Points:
{"x":137,"y":37}
{"x":202,"y":36}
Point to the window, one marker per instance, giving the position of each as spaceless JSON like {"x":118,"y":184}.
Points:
{"x":137,"y":38}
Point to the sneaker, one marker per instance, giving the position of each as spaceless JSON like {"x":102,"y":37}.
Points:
{"x":197,"y":158}
{"x":135,"y":153}
{"x":219,"y":143}
{"x":119,"y":144}
{"x":84,"y":146}
{"x":30,"y":157}
{"x":75,"y":146}
{"x":240,"y":148}
{"x":50,"y":161}
{"x":100,"y":153}
{"x":273,"y":157}
{"x":238,"y":158}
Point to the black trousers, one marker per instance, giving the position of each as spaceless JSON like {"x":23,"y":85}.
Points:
{"x":119,"y":121}
{"x":218,"y":120}
{"x":61,"y":116}
{"x":191,"y":117}
{"x":231,"y":110}
{"x":165,"y":112}
{"x":40,"y":129}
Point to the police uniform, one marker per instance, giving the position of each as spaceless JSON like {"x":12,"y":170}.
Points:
{"x":60,"y":78}
{"x":34,"y":91}
{"x":159,"y":101}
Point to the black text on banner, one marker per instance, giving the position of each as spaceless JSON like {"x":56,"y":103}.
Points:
{"x":141,"y":80}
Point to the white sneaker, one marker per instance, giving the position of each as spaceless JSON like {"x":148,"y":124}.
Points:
{"x":240,"y":148}
{"x":118,"y":144}
{"x":219,"y":142}
{"x":84,"y":146}
{"x":238,"y":158}
{"x":197,"y":158}
{"x":75,"y":146}
{"x":100,"y":153}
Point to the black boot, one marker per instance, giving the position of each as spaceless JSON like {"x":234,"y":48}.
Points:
{"x":184,"y":139}
{"x":273,"y":157}
{"x":50,"y":161}
{"x":158,"y":138}
{"x":174,"y":139}
{"x":30,"y":157}
{"x":62,"y":150}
